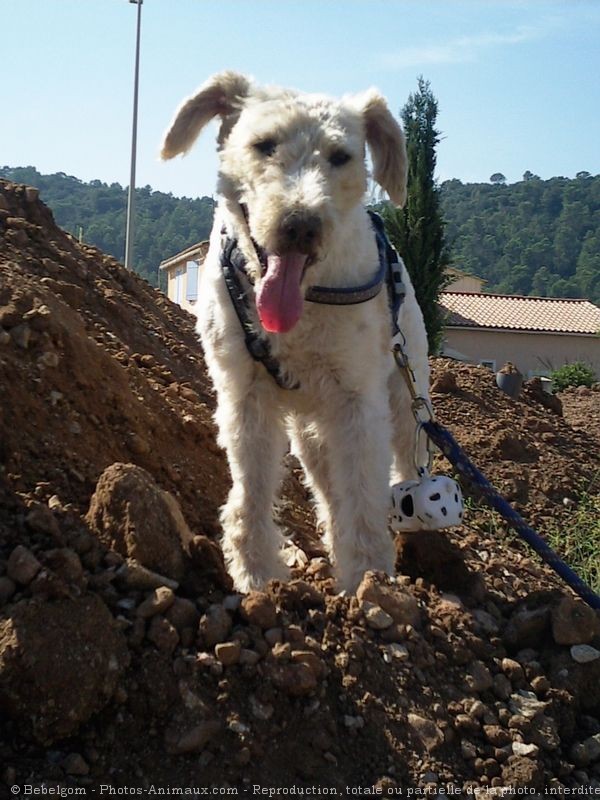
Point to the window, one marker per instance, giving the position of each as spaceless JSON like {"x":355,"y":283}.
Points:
{"x":178,"y":293}
{"x":489,"y":363}
{"x":191,"y":292}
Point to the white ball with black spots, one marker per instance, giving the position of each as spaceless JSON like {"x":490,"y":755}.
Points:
{"x":430,"y":504}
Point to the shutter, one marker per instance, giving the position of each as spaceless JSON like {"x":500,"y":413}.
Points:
{"x":192,"y":281}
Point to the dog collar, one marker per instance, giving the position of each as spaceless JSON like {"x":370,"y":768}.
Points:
{"x":239,"y":286}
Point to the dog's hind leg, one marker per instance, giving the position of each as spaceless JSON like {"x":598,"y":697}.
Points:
{"x":355,"y":432}
{"x":251,"y":431}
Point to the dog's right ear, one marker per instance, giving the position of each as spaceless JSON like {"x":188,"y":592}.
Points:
{"x":222,"y":95}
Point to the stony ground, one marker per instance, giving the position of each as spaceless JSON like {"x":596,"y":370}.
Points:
{"x":126,"y":660}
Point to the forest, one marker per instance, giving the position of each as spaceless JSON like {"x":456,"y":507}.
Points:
{"x":533,"y":237}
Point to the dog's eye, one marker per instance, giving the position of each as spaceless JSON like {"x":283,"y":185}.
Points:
{"x":266,"y":146}
{"x":339,"y":157}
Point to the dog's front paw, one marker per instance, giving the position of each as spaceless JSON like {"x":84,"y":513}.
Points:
{"x":248,"y":575}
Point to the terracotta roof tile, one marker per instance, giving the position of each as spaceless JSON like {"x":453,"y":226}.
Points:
{"x":557,"y":315}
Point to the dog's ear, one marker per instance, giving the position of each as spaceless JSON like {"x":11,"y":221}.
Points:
{"x":386,"y":142}
{"x":222,"y":95}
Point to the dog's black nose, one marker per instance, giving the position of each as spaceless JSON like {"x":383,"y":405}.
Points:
{"x":301,"y":232}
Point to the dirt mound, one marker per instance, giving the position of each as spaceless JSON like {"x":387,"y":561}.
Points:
{"x":473,"y":668}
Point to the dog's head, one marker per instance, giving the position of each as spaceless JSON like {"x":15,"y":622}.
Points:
{"x":297,"y":164}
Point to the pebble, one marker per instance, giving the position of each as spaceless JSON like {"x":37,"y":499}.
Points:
{"x":228,"y":653}
{"x":215,"y":625}
{"x":249,"y":657}
{"x":159,"y":601}
{"x":395,"y":650}
{"x":163,"y":634}
{"x":312,"y":661}
{"x":257,"y":608}
{"x":583,"y":753}
{"x":584,"y":653}
{"x":401,"y":606}
{"x":479,"y":678}
{"x":136,"y":576}
{"x":7,"y":589}
{"x":427,"y":731}
{"x":183,"y":614}
{"x":574,"y":622}
{"x":260,"y":710}
{"x":522,"y":749}
{"x":353,"y":723}
{"x":75,"y":764}
{"x":193,"y":740}
{"x":22,"y":565}
{"x":21,"y":335}
{"x":232,"y":602}
{"x":513,"y":670}
{"x":274,"y":636}
{"x":376,"y":617}
{"x":501,"y":686}
{"x":526,"y":704}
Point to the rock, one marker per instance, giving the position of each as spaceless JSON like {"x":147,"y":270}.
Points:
{"x":135,"y":576}
{"x":183,"y":614}
{"x":445,"y":383}
{"x":158,"y":602}
{"x":130,"y":514}
{"x":522,"y":773}
{"x":584,"y":653}
{"x":312,"y":661}
{"x":274,"y":636}
{"x":522,"y":749}
{"x":402,"y":607}
{"x":207,"y":557}
{"x":257,"y":608}
{"x":41,"y":520}
{"x":513,"y":670}
{"x":21,"y":335}
{"x":496,"y":735}
{"x":298,"y":595}
{"x":502,"y":687}
{"x":249,"y":658}
{"x":22,"y":565}
{"x":427,"y":731}
{"x":214,"y":626}
{"x":574,"y":622}
{"x":162,"y":634}
{"x":60,"y":662}
{"x":179,"y":741}
{"x":75,"y":764}
{"x":584,"y":753}
{"x":527,"y":628}
{"x":294,"y":679}
{"x":376,"y":618}
{"x":7,"y":588}
{"x":479,"y":678}
{"x":526,"y":704}
{"x":228,"y":653}
{"x":544,"y":733}
{"x":65,"y":563}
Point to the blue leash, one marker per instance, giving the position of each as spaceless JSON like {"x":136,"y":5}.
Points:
{"x":457,"y":457}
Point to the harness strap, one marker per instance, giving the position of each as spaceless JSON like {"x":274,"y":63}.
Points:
{"x":233,"y":263}
{"x":232,"y":260}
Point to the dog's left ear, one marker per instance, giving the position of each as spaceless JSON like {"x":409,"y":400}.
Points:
{"x":386,"y":142}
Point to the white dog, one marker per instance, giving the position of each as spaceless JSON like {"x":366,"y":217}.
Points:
{"x":292,"y":183}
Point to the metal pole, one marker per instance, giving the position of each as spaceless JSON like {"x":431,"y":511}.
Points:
{"x":129,"y":233}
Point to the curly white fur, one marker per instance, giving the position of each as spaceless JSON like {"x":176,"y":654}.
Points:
{"x":350,"y":423}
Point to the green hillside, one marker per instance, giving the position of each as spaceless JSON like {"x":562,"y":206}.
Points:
{"x":533,"y":237}
{"x":164,"y":224}
{"x":539,"y":237}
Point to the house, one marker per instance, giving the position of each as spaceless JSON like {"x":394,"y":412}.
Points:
{"x":538,"y":334}
{"x":182,"y":275}
{"x":459,"y":281}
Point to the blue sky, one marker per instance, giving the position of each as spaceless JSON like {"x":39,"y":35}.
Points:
{"x":517,"y":82}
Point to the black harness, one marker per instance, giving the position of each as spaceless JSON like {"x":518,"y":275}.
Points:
{"x":233,"y":265}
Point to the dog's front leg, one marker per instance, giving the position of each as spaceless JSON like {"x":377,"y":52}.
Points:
{"x":355,"y":430}
{"x":252,"y":433}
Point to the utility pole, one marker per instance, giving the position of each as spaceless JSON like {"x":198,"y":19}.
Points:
{"x":129,"y":233}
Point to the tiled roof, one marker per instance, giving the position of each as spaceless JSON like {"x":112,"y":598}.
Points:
{"x":509,"y":312}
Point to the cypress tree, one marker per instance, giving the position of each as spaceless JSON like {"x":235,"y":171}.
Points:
{"x":417,"y":230}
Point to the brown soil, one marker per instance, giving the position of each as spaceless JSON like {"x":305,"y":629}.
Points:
{"x":122,"y":668}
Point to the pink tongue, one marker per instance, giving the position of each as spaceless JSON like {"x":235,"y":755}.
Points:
{"x":279,"y":299}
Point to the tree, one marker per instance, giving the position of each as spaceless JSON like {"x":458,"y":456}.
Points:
{"x":498,"y":178}
{"x":417,"y":230}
